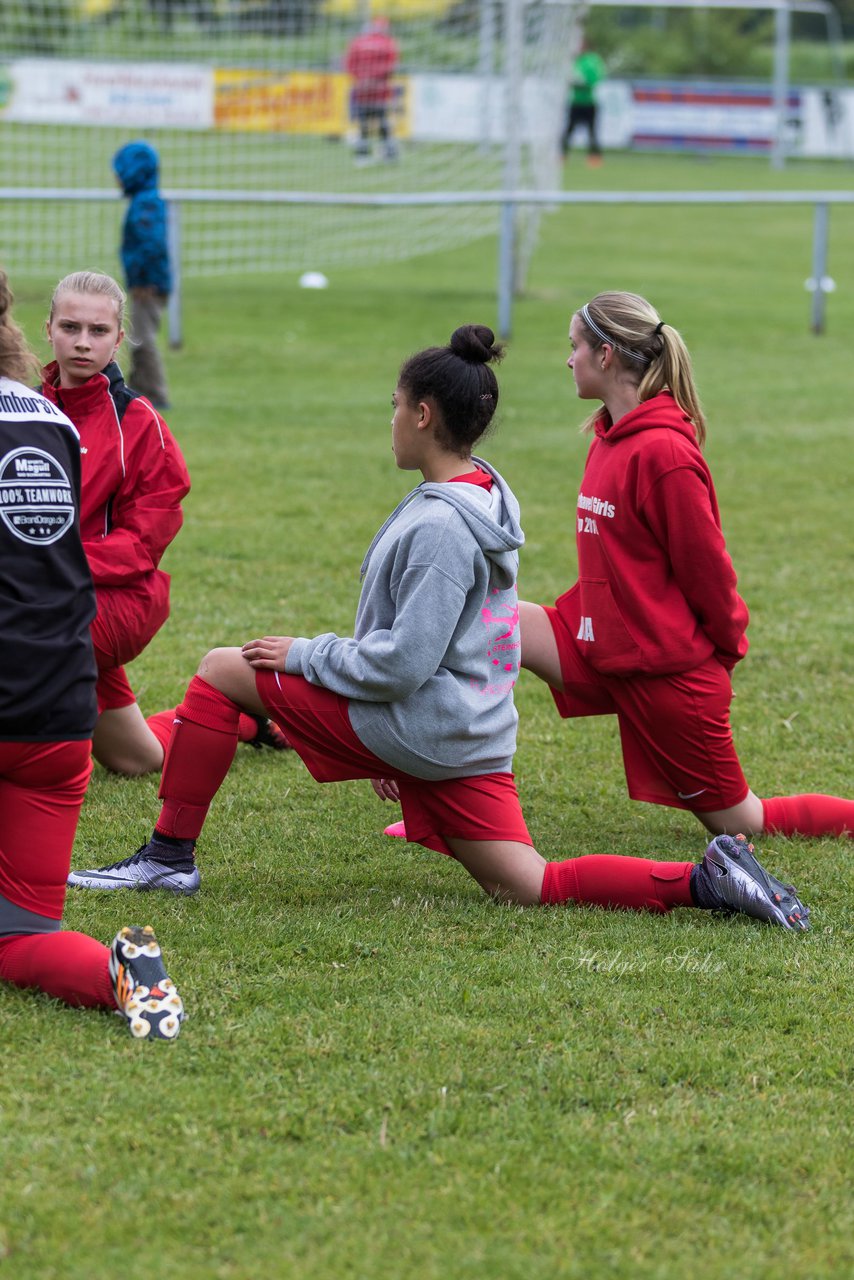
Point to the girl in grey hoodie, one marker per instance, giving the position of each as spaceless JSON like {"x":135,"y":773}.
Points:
{"x":420,"y":698}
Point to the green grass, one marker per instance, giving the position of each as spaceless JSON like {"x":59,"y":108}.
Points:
{"x":382,"y":1074}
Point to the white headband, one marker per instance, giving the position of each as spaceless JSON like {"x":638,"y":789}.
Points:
{"x":604,"y":337}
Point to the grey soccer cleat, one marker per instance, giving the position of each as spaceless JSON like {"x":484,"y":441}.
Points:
{"x":140,"y":871}
{"x":741,"y":883}
{"x":144,"y":992}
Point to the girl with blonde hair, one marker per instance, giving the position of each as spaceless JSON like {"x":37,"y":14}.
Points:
{"x":654,"y":626}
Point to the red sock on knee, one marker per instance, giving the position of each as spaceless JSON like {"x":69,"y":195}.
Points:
{"x":608,"y":880}
{"x":808,"y":815}
{"x":161,"y":723}
{"x":201,"y":749}
{"x":69,"y":966}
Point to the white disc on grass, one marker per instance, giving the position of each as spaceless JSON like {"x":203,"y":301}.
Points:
{"x":313,"y":280}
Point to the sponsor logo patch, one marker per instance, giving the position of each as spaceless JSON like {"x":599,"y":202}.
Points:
{"x":36,"y":498}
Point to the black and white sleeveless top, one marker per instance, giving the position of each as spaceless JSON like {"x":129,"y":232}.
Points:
{"x":47,"y":602}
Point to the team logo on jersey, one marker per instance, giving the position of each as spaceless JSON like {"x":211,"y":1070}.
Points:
{"x":36,"y":498}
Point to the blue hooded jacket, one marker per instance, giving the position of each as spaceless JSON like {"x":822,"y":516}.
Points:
{"x":144,"y":249}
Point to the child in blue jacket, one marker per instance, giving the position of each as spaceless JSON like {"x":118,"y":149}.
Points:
{"x":145,"y":257}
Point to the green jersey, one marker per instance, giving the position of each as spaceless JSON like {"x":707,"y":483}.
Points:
{"x":587,"y":70}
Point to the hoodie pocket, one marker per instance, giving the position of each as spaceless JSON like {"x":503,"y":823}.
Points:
{"x":603,"y":637}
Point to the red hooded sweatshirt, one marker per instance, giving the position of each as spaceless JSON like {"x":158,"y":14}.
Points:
{"x":656,"y":591}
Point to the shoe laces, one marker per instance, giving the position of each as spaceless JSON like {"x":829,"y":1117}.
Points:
{"x":141,"y":853}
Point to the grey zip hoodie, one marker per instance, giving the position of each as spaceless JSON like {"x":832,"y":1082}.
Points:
{"x":431,"y":667}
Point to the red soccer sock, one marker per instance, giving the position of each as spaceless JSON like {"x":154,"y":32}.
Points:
{"x":201,"y":749}
{"x":161,"y":726}
{"x":608,"y":880}
{"x":161,"y":723}
{"x":69,"y":966}
{"x":809,"y":815}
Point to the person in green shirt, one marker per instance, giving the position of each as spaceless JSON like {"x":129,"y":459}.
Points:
{"x":582,"y":108}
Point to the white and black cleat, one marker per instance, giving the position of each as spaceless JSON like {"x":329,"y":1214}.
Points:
{"x":140,"y":871}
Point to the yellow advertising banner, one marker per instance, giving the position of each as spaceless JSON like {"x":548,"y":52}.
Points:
{"x":306,"y":102}
{"x":281,"y":101}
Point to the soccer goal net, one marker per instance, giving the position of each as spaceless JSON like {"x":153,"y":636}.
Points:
{"x":247,"y":99}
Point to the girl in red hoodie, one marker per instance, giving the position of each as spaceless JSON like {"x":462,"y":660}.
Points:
{"x":654,"y":625}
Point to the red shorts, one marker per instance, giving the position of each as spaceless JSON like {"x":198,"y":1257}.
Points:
{"x":113,"y":689}
{"x":127,"y":620}
{"x":674,"y":729}
{"x":42,"y":785}
{"x":317,"y":723}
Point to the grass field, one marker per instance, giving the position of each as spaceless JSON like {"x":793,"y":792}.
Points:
{"x":383,"y":1075}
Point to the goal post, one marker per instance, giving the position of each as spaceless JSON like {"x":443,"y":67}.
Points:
{"x":244,"y":97}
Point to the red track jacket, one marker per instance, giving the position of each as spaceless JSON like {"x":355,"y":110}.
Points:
{"x":133,"y":480}
{"x":656,"y":590}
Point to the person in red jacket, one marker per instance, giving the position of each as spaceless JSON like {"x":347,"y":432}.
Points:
{"x":654,"y":625}
{"x":371,"y":61}
{"x":134,"y":480}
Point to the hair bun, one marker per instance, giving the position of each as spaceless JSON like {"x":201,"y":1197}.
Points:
{"x":475,"y":343}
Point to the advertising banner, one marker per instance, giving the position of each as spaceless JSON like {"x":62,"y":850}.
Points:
{"x":139,"y":95}
{"x":644,"y":115}
{"x":299,"y":102}
{"x":707,"y":117}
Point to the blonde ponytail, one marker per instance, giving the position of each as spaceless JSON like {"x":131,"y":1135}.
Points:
{"x":646,"y":346}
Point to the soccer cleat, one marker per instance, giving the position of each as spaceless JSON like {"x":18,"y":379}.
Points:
{"x":397,"y":829}
{"x":269,"y":735}
{"x":741,"y":883}
{"x":144,"y":992}
{"x":139,"y":871}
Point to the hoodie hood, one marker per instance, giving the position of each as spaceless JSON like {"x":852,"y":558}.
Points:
{"x":136,"y":167}
{"x":661,"y":412}
{"x":492,"y":516}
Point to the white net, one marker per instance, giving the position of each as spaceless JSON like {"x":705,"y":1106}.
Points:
{"x":251,"y":97}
